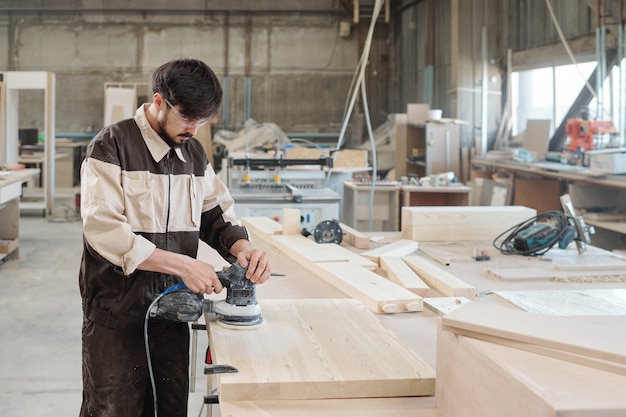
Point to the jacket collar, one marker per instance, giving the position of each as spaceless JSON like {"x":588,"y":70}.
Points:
{"x":156,"y":145}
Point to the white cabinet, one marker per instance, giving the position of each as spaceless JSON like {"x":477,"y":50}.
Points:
{"x":429,"y":148}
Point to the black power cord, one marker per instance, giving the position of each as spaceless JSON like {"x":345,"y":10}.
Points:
{"x":557,"y":219}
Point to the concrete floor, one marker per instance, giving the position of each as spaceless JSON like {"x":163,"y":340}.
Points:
{"x":40,"y":323}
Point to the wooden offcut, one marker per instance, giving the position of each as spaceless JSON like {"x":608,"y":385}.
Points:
{"x":377,"y":293}
{"x":291,"y":221}
{"x":354,"y":237}
{"x":399,"y":272}
{"x":317,"y":349}
{"x":262,"y":225}
{"x":299,"y":247}
{"x":440,"y":280}
{"x":461,"y":223}
{"x":400,"y":247}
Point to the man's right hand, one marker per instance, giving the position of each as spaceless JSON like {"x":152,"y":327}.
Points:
{"x":198,"y":276}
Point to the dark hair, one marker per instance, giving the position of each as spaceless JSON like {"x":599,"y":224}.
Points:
{"x":191,"y":84}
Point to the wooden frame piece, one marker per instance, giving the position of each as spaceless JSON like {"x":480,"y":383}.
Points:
{"x":354,"y":237}
{"x":442,"y":281}
{"x":399,"y":272}
{"x":400,"y":247}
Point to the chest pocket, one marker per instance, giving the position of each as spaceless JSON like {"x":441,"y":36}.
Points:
{"x":195,"y":200}
{"x":139,"y":201}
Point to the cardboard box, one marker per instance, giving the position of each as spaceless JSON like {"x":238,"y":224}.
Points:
{"x":607,"y":161}
{"x":8,"y":245}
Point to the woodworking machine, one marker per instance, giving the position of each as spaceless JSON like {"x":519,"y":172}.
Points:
{"x":262,"y":187}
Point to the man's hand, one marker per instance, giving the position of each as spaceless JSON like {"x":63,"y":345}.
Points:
{"x":198,"y":276}
{"x":256,"y":260}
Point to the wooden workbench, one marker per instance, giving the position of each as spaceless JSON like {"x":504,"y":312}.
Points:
{"x":10,"y":192}
{"x":417,"y":330}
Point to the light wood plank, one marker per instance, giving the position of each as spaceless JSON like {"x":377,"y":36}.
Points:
{"x":593,"y":336}
{"x":317,"y":349}
{"x":400,"y":247}
{"x":439,"y":279}
{"x":345,"y":407}
{"x":299,"y":247}
{"x":516,"y":383}
{"x":399,"y":272}
{"x":521,"y":274}
{"x":458,"y":223}
{"x":594,"y":302}
{"x":262,"y":225}
{"x":354,"y":237}
{"x":377,"y":293}
{"x":589,"y":262}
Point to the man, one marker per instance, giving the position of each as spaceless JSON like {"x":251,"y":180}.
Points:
{"x":148,"y":195}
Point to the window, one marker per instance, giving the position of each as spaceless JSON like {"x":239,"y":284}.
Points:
{"x":548,"y":93}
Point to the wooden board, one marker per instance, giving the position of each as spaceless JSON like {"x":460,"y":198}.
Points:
{"x":522,"y":274}
{"x":445,"y":305}
{"x":589,"y":262}
{"x":459,"y":223}
{"x":377,"y":293}
{"x":311,"y":255}
{"x":400,"y":247}
{"x":350,"y":158}
{"x":592,"y":336}
{"x":353,"y":407}
{"x":297,"y":247}
{"x":354,"y":237}
{"x":485,"y":379}
{"x":439,"y":279}
{"x":399,"y":272}
{"x":317,"y":349}
{"x":594,"y":302}
{"x":539,"y":274}
{"x":262,"y":225}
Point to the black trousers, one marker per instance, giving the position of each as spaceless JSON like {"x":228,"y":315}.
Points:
{"x":116,"y":382}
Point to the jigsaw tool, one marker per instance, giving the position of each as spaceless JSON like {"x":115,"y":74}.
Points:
{"x":240,"y":308}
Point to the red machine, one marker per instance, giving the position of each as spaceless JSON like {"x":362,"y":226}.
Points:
{"x":581,"y":132}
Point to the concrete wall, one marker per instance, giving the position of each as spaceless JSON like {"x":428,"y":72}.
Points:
{"x":300,"y":67}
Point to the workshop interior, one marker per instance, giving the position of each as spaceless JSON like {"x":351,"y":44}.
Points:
{"x":440,"y":186}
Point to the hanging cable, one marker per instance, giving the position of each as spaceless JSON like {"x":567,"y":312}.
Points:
{"x":568,"y":49}
{"x":358,"y":84}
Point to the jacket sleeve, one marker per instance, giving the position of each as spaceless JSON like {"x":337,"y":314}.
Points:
{"x":219,"y":228}
{"x":104,"y":225}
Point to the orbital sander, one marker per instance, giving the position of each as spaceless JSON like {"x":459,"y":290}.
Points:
{"x":240,"y":308}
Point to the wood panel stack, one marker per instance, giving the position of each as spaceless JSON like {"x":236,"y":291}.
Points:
{"x":495,"y":361}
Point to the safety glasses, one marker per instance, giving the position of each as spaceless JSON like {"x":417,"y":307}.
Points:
{"x":183,"y":120}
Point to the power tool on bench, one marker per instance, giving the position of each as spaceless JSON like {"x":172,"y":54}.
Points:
{"x":539,"y":234}
{"x":240,"y":308}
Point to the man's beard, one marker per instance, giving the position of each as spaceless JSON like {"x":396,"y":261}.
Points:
{"x":167,"y":138}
